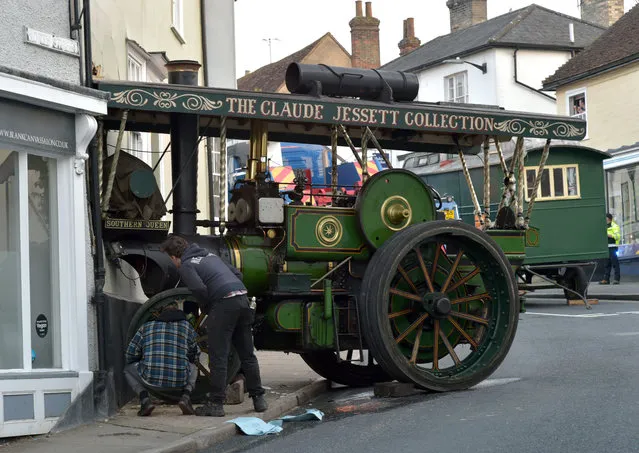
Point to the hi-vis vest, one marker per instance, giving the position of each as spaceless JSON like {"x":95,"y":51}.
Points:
{"x":615,"y":232}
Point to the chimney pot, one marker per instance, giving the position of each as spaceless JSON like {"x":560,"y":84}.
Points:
{"x":364,"y":38}
{"x":466,"y":13}
{"x":358,"y":8}
{"x":410,"y":27}
{"x":602,"y":12}
{"x":410,"y":42}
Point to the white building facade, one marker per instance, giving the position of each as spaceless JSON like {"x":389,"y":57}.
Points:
{"x":46,"y":271}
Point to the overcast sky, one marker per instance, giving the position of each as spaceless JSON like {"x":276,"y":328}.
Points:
{"x":297,"y":23}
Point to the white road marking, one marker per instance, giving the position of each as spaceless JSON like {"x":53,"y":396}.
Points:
{"x":494,"y":382}
{"x":627,"y":334}
{"x":591,"y":315}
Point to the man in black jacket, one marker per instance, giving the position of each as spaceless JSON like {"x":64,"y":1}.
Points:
{"x":219,"y":290}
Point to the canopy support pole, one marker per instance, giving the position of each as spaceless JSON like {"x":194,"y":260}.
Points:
{"x":334,"y":164}
{"x":471,"y":188}
{"x":223,"y":187}
{"x":114,"y":164}
{"x":540,"y":171}
{"x":379,"y":147}
{"x":487,"y":182}
{"x":349,"y":142}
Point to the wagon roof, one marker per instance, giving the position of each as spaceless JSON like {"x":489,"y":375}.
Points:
{"x":415,"y":126}
{"x":477,"y":161}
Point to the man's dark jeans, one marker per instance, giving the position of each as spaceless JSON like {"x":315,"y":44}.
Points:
{"x":229,"y":322}
{"x":612,"y":262}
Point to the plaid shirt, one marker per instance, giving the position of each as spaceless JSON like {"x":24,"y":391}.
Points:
{"x":164,"y":350}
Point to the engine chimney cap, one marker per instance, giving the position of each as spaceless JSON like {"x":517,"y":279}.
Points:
{"x":183,"y":66}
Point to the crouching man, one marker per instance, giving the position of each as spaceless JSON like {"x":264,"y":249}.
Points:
{"x":162,"y":354}
{"x":219,"y":290}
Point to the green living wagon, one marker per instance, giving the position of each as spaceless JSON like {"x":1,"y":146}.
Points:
{"x":569,"y":217}
{"x":372,"y":287}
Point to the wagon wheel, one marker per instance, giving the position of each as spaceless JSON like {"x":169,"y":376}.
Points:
{"x":440,"y":306}
{"x":351,"y":371}
{"x":188,"y":304}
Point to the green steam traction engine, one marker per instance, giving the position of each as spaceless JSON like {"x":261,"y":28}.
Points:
{"x":371,"y":287}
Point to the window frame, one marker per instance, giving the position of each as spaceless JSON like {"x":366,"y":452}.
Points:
{"x":454,"y":77}
{"x":141,"y":152}
{"x":552,"y":197}
{"x":571,"y":94}
{"x":177,"y":20}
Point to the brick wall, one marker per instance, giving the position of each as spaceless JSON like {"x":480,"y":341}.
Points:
{"x":602,"y":12}
{"x":465,"y":13}
{"x":364,"y":38}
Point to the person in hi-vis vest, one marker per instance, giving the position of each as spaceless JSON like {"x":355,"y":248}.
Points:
{"x":614,"y":236}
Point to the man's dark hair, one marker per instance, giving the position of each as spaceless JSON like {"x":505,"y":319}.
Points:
{"x":174,"y":245}
{"x":609,"y":216}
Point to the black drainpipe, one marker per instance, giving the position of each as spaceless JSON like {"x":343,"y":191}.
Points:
{"x":528,"y":86}
{"x":94,"y":198}
{"x":184,"y":152}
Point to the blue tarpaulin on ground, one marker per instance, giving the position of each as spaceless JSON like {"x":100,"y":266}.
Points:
{"x":253,"y":426}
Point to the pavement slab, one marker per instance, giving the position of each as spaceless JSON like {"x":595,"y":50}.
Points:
{"x":288,"y":381}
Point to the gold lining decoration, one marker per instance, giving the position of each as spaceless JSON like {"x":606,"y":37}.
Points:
{"x":328,"y":231}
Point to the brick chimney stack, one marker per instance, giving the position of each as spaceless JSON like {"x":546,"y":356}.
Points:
{"x":410,"y":42}
{"x":466,"y":13}
{"x":364,"y":38}
{"x":601,"y":12}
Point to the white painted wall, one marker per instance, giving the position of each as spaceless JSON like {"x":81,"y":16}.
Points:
{"x":498,"y":86}
{"x":533,"y":66}
{"x":481,"y":87}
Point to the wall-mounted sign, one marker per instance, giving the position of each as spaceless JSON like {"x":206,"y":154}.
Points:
{"x":42,"y":326}
{"x":28,"y":127}
{"x":49,"y":41}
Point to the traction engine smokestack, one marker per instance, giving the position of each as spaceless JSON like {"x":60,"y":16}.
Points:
{"x":184,"y":137}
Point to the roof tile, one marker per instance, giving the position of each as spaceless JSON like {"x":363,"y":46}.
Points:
{"x":618,"y":44}
{"x":530,"y":26}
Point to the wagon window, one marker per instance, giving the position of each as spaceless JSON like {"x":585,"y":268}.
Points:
{"x":530,"y":182}
{"x":573,"y":184}
{"x":557,"y":182}
{"x":545,"y":184}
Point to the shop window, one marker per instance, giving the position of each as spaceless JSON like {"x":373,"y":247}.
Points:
{"x":30,"y":301}
{"x":623,"y":203}
{"x":43,"y":290}
{"x":557,"y":182}
{"x":11,"y":351}
{"x":456,"y":87}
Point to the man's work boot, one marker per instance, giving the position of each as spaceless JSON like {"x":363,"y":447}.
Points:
{"x":186,"y":406}
{"x":604,"y":282}
{"x":259,"y":403}
{"x":146,"y":407}
{"x":210,"y":409}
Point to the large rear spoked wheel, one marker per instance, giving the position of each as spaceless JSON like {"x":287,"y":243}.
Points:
{"x":440,"y":306}
{"x":187,"y":303}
